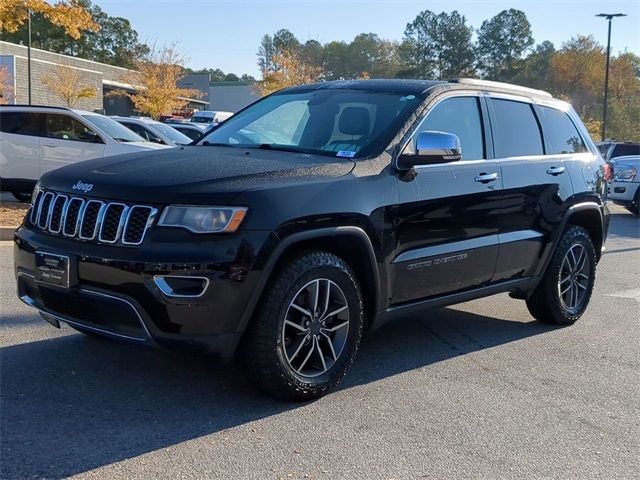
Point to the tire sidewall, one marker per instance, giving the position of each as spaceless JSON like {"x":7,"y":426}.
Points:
{"x":574,"y":236}
{"x":354,"y":300}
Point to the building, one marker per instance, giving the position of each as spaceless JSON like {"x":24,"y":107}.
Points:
{"x":231,"y":96}
{"x":104,"y":78}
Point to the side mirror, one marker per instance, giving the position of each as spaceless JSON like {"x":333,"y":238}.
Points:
{"x":91,"y":137}
{"x":156,"y":140}
{"x":432,"y":147}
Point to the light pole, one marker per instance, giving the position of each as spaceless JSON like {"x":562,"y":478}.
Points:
{"x":609,"y":17}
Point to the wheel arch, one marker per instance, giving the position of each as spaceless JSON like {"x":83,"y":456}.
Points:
{"x":334,"y":240}
{"x":588,"y":215}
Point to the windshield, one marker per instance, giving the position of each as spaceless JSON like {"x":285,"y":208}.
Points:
{"x":112,"y":128}
{"x":171,"y":133}
{"x":331,"y":122}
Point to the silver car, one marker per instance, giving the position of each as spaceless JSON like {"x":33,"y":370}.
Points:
{"x":154,"y":131}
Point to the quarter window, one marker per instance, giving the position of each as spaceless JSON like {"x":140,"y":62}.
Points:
{"x":560,"y":132}
{"x":462,"y":117}
{"x":516,"y":132}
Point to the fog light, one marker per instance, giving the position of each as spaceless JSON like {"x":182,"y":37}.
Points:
{"x":181,"y":286}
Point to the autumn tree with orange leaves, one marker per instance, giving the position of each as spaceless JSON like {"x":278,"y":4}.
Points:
{"x":67,"y":84}
{"x":69,"y":14}
{"x":153,"y":83}
{"x":288,"y":69}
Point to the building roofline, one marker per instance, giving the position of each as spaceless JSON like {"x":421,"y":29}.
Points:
{"x":64,"y":56}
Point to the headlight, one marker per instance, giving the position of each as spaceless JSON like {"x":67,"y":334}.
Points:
{"x":203,"y":219}
{"x":624,"y":174}
{"x":36,"y":191}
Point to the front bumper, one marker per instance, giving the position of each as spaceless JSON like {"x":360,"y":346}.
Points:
{"x":117,"y":293}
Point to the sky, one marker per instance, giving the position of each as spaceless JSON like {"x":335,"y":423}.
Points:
{"x":226,"y":34}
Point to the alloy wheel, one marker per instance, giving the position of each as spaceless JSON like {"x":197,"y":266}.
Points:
{"x":573,"y":280}
{"x":315,"y":328}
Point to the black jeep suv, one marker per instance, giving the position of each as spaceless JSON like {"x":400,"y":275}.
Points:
{"x":318,"y":212}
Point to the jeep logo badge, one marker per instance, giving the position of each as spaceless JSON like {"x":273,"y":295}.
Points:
{"x":85,"y":187}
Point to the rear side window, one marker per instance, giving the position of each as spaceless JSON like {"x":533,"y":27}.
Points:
{"x":561,"y":134}
{"x":460,"y":116}
{"x":23,"y":123}
{"x":516,"y":132}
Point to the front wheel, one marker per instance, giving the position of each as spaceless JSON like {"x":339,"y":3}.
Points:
{"x":565,"y":289}
{"x":307,"y":330}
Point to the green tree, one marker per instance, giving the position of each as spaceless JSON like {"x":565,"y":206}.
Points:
{"x":535,"y":69}
{"x":270,"y":46}
{"x":502,"y":41}
{"x":336,"y":61}
{"x":437,"y":46}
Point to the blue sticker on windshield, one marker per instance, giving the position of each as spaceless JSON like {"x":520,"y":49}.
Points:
{"x":346,"y":154}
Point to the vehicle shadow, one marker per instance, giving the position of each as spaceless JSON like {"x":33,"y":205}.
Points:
{"x":73,"y":403}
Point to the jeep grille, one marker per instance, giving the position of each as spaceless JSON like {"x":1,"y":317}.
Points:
{"x":91,"y":219}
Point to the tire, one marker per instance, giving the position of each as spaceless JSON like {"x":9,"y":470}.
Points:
{"x":283,"y":358}
{"x":551,"y":302}
{"x":22,"y":196}
{"x":634,"y":207}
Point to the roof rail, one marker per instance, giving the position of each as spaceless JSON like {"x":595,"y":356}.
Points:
{"x":35,"y":106}
{"x":508,"y":86}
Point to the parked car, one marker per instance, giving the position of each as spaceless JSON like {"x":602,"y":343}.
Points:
{"x":192,"y":130}
{"x":319,"y":212}
{"x":619,"y":149}
{"x":153,"y":131}
{"x":206,"y":116}
{"x":35,"y":140}
{"x":624,"y":188}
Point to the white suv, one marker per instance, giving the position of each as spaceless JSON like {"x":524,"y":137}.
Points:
{"x":35,"y":140}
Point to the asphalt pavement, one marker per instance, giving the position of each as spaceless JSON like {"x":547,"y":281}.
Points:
{"x":479,"y":390}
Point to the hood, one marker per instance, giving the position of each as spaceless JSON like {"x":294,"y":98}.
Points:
{"x":192,"y":174}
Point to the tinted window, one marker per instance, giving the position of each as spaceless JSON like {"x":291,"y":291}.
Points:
{"x":460,"y":116}
{"x":64,"y":127}
{"x":192,"y":134}
{"x":172,"y":134}
{"x":134,"y":127}
{"x":22,"y":123}
{"x":560,"y":132}
{"x":516,"y":132}
{"x":622,"y":149}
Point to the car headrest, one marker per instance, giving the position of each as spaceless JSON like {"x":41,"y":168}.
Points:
{"x":354,"y":121}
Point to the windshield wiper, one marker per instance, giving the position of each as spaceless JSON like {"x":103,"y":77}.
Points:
{"x":283,"y":148}
{"x":216,"y":144}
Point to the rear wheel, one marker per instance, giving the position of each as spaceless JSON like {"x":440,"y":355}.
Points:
{"x":307,"y":330}
{"x":565,"y":289}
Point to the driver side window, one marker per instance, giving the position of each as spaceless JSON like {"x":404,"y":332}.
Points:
{"x":462,"y":117}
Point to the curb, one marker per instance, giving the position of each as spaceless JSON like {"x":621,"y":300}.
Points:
{"x":6,"y":233}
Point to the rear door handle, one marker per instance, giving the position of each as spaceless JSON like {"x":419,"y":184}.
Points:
{"x":486,"y":177}
{"x":555,"y":170}
{"x":50,"y":145}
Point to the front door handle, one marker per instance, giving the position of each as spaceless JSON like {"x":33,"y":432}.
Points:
{"x":50,"y":145}
{"x":486,"y":177}
{"x":555,"y":171}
